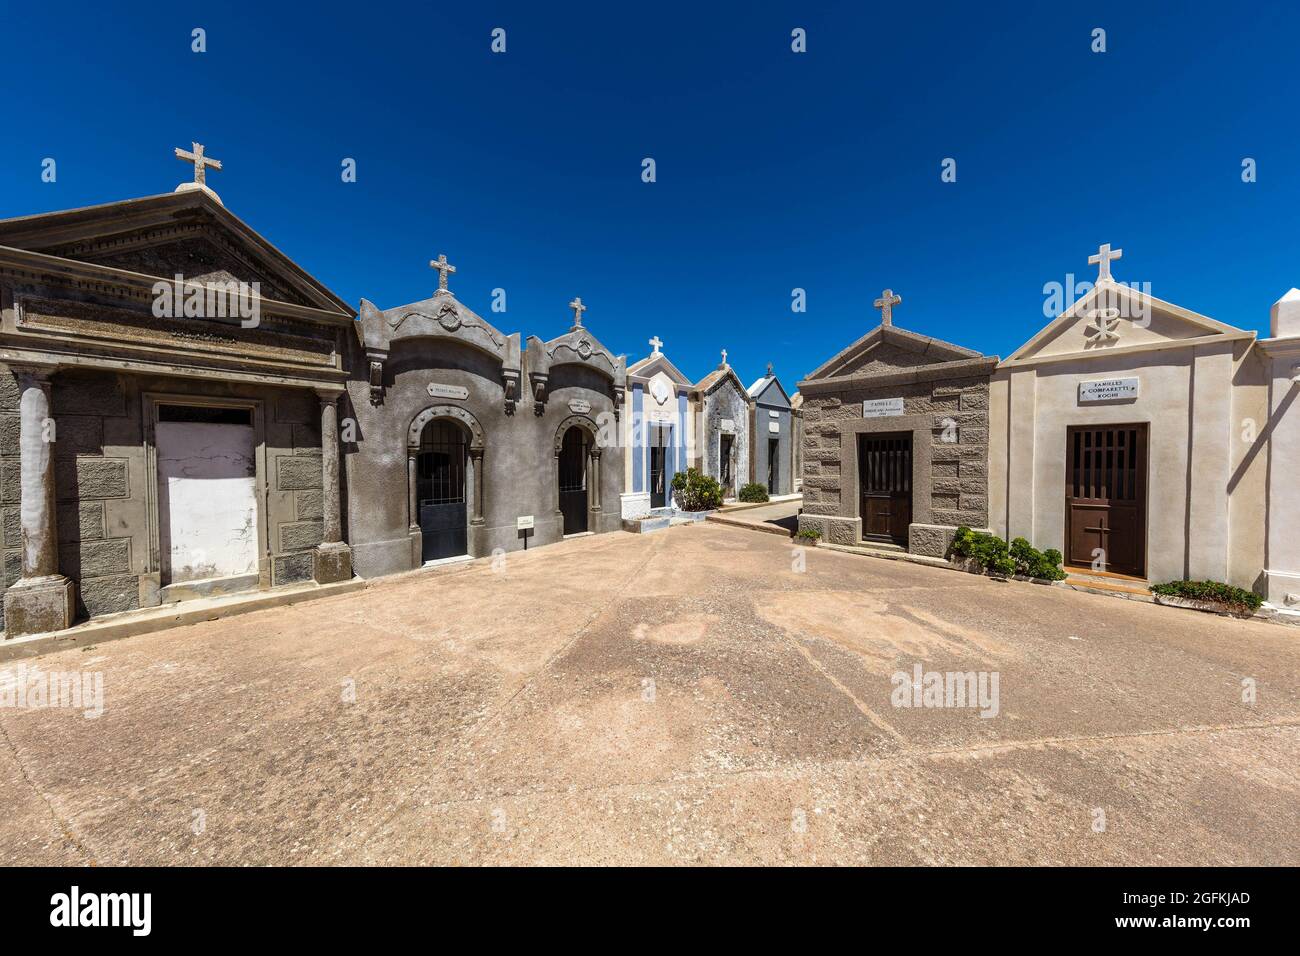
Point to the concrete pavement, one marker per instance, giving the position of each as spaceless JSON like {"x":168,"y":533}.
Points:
{"x":668,"y":699}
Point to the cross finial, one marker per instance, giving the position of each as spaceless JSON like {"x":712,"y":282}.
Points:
{"x":1103,"y":259}
{"x":886,"y":304}
{"x":578,"y":308}
{"x":769,"y":369}
{"x":724,"y":358}
{"x":200,"y":162}
{"x":656,"y":343}
{"x":443,"y":267}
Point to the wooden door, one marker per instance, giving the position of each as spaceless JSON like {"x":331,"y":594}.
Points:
{"x":885,"y":486}
{"x":1106,"y":498}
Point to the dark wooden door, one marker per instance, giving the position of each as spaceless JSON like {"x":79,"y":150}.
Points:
{"x":440,"y":491}
{"x":1106,"y":498}
{"x":573,"y":480}
{"x":658,"y":481}
{"x":885,"y":486}
{"x":773,"y":464}
{"x":724,"y":463}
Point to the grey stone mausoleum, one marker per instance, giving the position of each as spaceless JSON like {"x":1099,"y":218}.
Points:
{"x":185,"y":412}
{"x":896,"y":436}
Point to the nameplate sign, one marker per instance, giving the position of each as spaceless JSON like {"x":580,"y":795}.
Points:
{"x":1108,"y":389}
{"x":727,"y":425}
{"x":882,"y":407}
{"x":524,"y":523}
{"x":447,"y":391}
{"x":773,"y":414}
{"x":774,"y":427}
{"x":661,"y":415}
{"x":580,"y":405}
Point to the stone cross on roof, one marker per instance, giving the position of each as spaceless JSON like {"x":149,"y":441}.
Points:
{"x":578,"y":308}
{"x":443,"y":267}
{"x":1102,"y":260}
{"x":200,"y":162}
{"x":656,"y":343}
{"x":886,"y":304}
{"x":769,"y":370}
{"x":724,"y":358}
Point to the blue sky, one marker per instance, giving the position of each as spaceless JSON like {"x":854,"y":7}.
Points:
{"x":775,"y":170}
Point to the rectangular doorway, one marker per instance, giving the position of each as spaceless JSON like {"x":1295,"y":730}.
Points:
{"x":773,"y":465}
{"x":885,"y":486}
{"x":725,"y":445}
{"x":659,"y":439}
{"x":1106,"y":498}
{"x":207,"y":492}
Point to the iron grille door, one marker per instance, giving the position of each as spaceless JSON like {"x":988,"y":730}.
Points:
{"x":573,"y":480}
{"x":440,"y":490}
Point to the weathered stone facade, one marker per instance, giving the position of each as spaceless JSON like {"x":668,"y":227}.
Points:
{"x":944,"y":394}
{"x":724,"y":410}
{"x":89,"y":368}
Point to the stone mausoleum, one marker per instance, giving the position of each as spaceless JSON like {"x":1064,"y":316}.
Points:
{"x":896,"y":437}
{"x":724,"y":433}
{"x":185,"y":412}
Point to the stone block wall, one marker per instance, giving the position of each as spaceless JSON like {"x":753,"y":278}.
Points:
{"x":950,"y":415}
{"x":101,"y":484}
{"x":294,"y":461}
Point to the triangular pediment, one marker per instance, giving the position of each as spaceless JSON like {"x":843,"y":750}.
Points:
{"x":888,"y":348}
{"x":187,"y":233}
{"x":1115,"y":318}
{"x":652,"y":365}
{"x":768,"y":391}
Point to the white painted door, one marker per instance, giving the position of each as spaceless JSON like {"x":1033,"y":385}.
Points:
{"x":207,"y":507}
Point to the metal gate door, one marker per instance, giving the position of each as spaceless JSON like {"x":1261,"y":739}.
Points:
{"x":440,"y":491}
{"x":573,"y":480}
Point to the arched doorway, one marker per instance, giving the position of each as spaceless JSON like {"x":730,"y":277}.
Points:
{"x":440,"y":467}
{"x":573,"y":479}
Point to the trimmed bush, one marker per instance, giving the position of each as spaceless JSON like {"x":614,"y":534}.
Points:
{"x":809,"y":534}
{"x":753,"y":491}
{"x":1215,"y":592}
{"x":1033,"y":563}
{"x":696,"y":491}
{"x":992,"y":555}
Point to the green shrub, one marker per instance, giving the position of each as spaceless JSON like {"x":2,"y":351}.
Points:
{"x":1034,"y":563}
{"x":993,"y":555}
{"x":810,"y":534}
{"x":696,"y":491}
{"x":753,"y":491}
{"x":1216,"y":592}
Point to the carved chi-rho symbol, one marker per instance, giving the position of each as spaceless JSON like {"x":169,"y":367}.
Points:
{"x":1105,"y":326}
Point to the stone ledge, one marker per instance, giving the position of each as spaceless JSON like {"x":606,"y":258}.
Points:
{"x":131,"y":623}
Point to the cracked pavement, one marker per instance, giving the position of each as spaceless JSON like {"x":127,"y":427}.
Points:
{"x":679,"y":697}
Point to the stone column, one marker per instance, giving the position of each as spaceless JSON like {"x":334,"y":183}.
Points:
{"x":333,"y":558}
{"x":555,"y":482}
{"x":476,"y":459}
{"x":42,"y":599}
{"x":594,"y":479}
{"x":412,"y":479}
